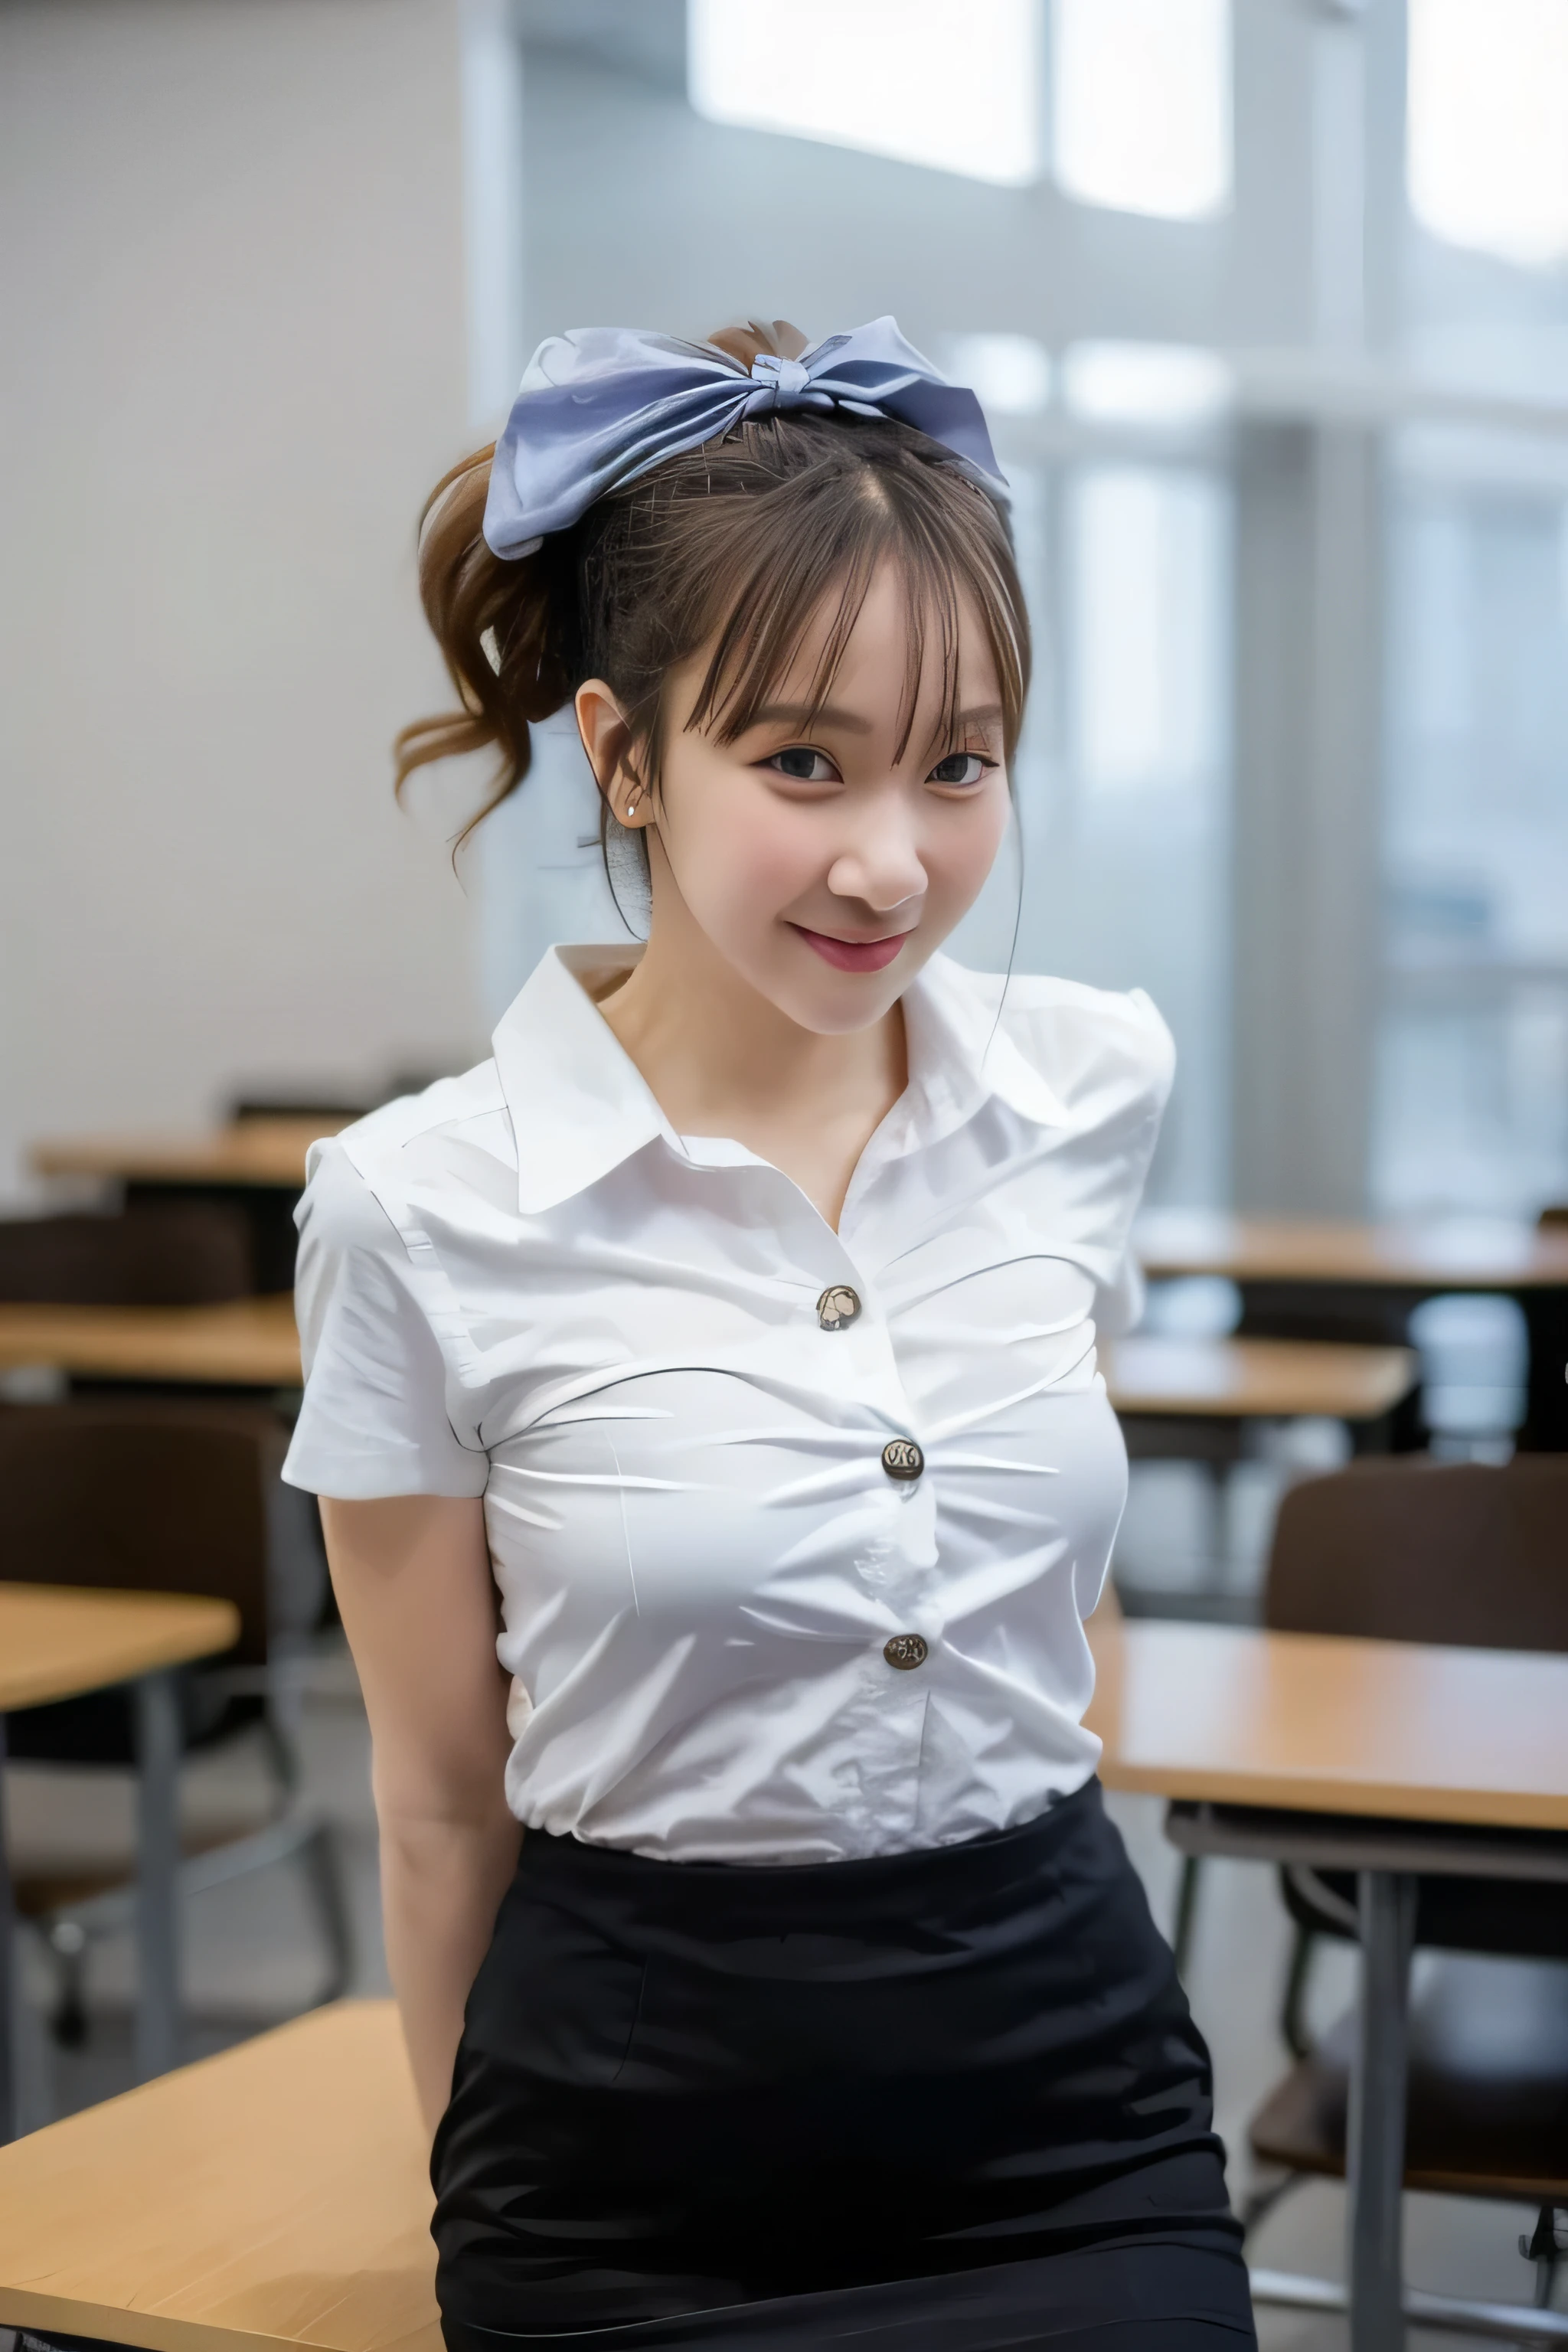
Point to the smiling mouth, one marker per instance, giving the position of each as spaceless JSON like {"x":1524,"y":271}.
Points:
{"x":852,"y":955}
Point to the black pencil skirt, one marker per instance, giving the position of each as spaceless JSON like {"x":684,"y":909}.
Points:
{"x":934,"y":2102}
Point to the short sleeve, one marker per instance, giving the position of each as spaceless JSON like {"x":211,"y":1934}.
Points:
{"x":376,"y":1418}
{"x":1108,"y":1061}
{"x":1148,"y":1052}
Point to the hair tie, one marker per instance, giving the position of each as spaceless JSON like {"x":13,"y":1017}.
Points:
{"x":600,"y":405}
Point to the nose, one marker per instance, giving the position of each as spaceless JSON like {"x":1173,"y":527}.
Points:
{"x":880,"y":864}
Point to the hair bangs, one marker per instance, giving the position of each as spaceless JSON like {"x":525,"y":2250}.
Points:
{"x":786,"y":583}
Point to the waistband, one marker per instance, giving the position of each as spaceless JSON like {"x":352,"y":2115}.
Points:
{"x":982,"y":1869}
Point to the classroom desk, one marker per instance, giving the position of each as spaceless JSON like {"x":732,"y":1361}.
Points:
{"x":248,"y":1152}
{"x":1429,"y":1254}
{"x":59,"y":1642}
{"x":1386,"y":1757}
{"x":1310,"y":1278}
{"x":1196,"y":1401}
{"x":1253,"y":1380}
{"x":258,"y":1164}
{"x":243,"y":1343}
{"x":160,"y":2219}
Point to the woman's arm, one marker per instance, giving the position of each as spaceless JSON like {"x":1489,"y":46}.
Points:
{"x":413,"y":1579}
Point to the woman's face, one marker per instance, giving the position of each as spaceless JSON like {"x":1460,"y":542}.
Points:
{"x":821,"y":863}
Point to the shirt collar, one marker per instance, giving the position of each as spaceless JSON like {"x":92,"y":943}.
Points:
{"x":961,"y":1053}
{"x":579,"y":1105}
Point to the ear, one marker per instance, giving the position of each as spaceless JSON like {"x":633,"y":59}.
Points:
{"x":606,"y":739}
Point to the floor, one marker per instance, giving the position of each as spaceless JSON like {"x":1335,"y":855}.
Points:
{"x":254,"y":1955}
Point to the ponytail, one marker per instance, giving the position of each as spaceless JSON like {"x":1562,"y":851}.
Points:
{"x":498,"y":625}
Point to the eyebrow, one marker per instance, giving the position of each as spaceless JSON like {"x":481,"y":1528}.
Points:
{"x":850,"y":722}
{"x":802,"y":714}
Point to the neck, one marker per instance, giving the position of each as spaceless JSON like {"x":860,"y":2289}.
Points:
{"x":723,"y":1060}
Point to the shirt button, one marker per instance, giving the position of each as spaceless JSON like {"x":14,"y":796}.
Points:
{"x":838,"y":1308}
{"x":902,"y":1459}
{"x":906,"y":1652}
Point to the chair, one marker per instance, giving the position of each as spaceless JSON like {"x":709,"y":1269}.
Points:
{"x":155,"y":1254}
{"x":158,"y":1496}
{"x":1474,"y":1556}
{"x":1554,"y":1217}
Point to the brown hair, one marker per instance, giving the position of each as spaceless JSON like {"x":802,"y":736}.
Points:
{"x":738,"y":545}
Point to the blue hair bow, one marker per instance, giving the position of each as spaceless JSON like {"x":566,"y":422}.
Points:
{"x":601,"y":404}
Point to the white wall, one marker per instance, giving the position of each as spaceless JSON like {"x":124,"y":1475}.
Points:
{"x":231,"y":282}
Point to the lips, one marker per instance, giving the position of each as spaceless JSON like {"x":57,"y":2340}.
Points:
{"x":852,"y":955}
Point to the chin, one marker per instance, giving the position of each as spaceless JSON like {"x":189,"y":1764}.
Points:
{"x":838,"y":1011}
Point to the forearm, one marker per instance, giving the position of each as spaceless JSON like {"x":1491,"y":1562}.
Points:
{"x":412,"y":1573}
{"x":441,"y":1885}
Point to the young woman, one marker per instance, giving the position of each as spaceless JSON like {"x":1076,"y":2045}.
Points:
{"x":720,"y":1356}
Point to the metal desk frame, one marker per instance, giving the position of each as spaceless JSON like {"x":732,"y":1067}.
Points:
{"x":1387,"y":1857}
{"x":157,"y":1898}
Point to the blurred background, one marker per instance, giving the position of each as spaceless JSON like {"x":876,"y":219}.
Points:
{"x":1268,"y":302}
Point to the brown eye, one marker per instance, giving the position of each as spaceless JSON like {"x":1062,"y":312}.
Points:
{"x":959,"y":768}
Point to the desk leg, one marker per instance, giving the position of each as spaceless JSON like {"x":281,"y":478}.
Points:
{"x":1219,"y":1523}
{"x":158,"y":1869}
{"x":1376,"y":2143}
{"x":10,"y":1972}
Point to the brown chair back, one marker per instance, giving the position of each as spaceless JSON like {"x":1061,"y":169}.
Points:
{"x":1554,"y":1217}
{"x":145,"y":1497}
{"x":1407,"y":1549}
{"x":156,"y":1254}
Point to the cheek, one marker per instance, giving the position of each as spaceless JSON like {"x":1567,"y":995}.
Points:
{"x":754,"y":856}
{"x":964,"y":852}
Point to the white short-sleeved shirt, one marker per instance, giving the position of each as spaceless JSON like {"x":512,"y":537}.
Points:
{"x":523,"y":1284}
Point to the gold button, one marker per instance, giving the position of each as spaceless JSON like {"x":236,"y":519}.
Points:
{"x":838,"y":1308}
{"x":902,"y":1459}
{"x":906,"y":1652}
